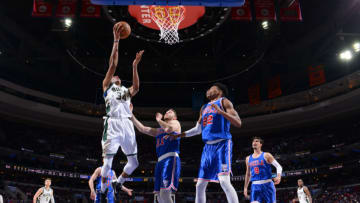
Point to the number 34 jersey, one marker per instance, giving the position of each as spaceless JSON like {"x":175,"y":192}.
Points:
{"x":117,"y":101}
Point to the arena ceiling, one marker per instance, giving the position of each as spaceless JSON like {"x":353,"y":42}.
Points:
{"x":38,"y":53}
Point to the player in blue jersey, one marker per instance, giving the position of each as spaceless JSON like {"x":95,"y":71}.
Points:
{"x":95,"y":193}
{"x":258,"y":171}
{"x":214,"y":125}
{"x":167,"y":170}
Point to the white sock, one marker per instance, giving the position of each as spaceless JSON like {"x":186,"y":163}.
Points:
{"x":229,"y":190}
{"x":105,"y":169}
{"x":121,"y":179}
{"x":200,"y":191}
{"x":165,"y":196}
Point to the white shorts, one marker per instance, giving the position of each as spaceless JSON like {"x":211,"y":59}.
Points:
{"x":118,"y":132}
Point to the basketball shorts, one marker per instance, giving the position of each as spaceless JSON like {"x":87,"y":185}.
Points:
{"x":263,"y":193}
{"x":215,"y":160}
{"x":167,"y":174}
{"x":110,"y":197}
{"x":118,"y":132}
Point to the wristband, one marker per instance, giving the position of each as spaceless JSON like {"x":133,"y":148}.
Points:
{"x":115,"y":41}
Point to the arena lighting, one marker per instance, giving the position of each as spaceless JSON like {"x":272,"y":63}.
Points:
{"x":346,"y":55}
{"x":265,"y":25}
{"x":356,"y":46}
{"x":68,"y":22}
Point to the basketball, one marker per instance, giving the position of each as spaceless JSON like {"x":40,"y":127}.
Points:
{"x":126,"y":29}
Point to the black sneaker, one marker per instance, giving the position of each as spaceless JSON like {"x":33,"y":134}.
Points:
{"x":116,"y":186}
{"x":103,"y":196}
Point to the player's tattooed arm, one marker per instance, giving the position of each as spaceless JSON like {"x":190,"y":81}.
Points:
{"x":37,"y":194}
{"x":91,"y":182}
{"x":144,"y":129}
{"x":230,"y":113}
{"x":134,"y":89}
{"x":308,"y":194}
{"x":247,"y":178}
{"x":113,"y":62}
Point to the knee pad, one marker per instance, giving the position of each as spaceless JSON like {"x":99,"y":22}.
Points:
{"x":131,"y":165}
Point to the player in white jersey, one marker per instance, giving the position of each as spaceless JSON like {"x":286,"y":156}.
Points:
{"x":44,"y":194}
{"x":118,"y":128}
{"x":303,"y":193}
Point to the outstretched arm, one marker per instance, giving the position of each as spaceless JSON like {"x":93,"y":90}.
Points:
{"x":193,"y":131}
{"x":113,"y":62}
{"x":247,"y":178}
{"x":134,"y":89}
{"x":230,"y":113}
{"x":37,"y":194}
{"x":91,"y":182}
{"x":145,"y":129}
{"x":308,"y":194}
{"x":271,"y":160}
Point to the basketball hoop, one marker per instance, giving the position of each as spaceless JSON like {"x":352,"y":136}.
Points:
{"x":168,"y":19}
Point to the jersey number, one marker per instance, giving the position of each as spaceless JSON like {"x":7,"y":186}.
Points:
{"x":256,"y":170}
{"x":208,"y":120}
{"x":159,"y":142}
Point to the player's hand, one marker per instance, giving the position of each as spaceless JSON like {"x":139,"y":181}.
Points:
{"x":117,"y":29}
{"x":216,"y":107}
{"x":92,"y":195}
{"x":158,"y":116}
{"x":277,"y":180}
{"x":127,"y":190}
{"x":138,"y":58}
{"x":246,"y":193}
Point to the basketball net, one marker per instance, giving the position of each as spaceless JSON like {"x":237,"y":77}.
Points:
{"x":168,"y":19}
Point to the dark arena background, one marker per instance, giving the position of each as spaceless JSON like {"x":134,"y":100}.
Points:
{"x":291,"y":67}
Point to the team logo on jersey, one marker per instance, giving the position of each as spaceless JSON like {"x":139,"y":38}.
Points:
{"x":224,"y":168}
{"x":166,"y":182}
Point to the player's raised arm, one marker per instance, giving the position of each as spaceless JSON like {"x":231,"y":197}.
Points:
{"x":230,"y":113}
{"x":171,"y":126}
{"x":308,"y":194}
{"x":247,"y":178}
{"x":37,"y":194}
{"x":134,"y":89}
{"x":144,"y":129}
{"x":114,"y":58}
{"x":271,"y":160}
{"x":91,"y":182}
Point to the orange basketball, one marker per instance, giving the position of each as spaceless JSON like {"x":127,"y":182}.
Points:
{"x":126,"y":30}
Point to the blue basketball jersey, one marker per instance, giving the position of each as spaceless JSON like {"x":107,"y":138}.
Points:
{"x":165,"y":145}
{"x":260,"y":169}
{"x":109,"y":178}
{"x":214,"y":126}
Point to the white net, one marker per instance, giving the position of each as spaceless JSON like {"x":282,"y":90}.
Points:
{"x":168,"y":19}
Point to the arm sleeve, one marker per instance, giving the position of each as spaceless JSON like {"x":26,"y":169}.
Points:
{"x":277,"y":166}
{"x":193,"y":131}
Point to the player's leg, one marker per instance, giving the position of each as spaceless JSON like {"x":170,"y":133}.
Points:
{"x":256,"y":194}
{"x":171,"y":168}
{"x":269,"y":192}
{"x":105,"y":170}
{"x":206,"y":173}
{"x":129,"y":148}
{"x":228,"y":188}
{"x":224,"y":155}
{"x":200,"y":191}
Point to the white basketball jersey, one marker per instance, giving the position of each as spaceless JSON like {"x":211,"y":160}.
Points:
{"x":117,"y":101}
{"x":302,"y":195}
{"x":45,"y":196}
